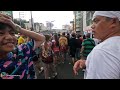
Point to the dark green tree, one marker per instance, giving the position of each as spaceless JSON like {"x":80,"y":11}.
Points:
{"x":22,"y":22}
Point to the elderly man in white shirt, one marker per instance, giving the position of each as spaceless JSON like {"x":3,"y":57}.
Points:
{"x":104,"y":60}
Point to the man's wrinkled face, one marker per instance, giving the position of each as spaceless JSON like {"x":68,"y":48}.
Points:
{"x":101,"y":27}
{"x":7,"y":40}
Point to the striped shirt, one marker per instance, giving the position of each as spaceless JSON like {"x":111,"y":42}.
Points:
{"x":88,"y":44}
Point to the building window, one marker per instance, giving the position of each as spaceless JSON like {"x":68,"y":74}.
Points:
{"x":79,"y":11}
{"x":89,"y":22}
{"x":89,"y":16}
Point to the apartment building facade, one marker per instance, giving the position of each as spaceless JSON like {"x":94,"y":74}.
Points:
{"x":82,"y":20}
{"x":78,"y":21}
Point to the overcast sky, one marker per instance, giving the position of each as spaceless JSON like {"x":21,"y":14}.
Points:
{"x":59,"y":17}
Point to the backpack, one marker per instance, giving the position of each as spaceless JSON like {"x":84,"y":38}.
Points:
{"x":49,"y":58}
{"x":63,"y":47}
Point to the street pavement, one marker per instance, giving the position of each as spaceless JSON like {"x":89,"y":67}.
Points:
{"x":65,"y":71}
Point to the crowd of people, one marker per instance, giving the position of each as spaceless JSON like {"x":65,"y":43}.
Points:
{"x":56,"y":48}
{"x":21,"y":57}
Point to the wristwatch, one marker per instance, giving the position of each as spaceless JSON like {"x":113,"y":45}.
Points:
{"x":17,"y":28}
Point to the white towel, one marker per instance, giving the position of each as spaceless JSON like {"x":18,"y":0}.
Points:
{"x":110,"y":14}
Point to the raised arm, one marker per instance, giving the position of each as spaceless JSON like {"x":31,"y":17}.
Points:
{"x":38,"y":38}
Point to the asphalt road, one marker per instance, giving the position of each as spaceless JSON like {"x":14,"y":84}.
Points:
{"x":65,"y":71}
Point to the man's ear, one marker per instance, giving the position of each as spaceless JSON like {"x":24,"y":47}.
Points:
{"x":115,"y":22}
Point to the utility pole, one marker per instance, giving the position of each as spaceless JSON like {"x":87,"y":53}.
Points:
{"x":72,"y":22}
{"x":75,"y":22}
{"x":21,"y":15}
{"x":31,"y":21}
{"x":50,"y":26}
{"x":20,"y":18}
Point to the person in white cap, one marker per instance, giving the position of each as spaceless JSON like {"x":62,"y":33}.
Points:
{"x":104,"y":60}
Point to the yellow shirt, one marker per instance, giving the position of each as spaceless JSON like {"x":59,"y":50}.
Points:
{"x":21,"y":40}
{"x":63,"y":41}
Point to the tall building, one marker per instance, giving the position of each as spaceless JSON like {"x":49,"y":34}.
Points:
{"x":82,"y":20}
{"x":49,"y":25}
{"x":78,"y":21}
{"x":89,"y":15}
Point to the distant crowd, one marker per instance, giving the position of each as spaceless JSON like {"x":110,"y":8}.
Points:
{"x":56,"y":48}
